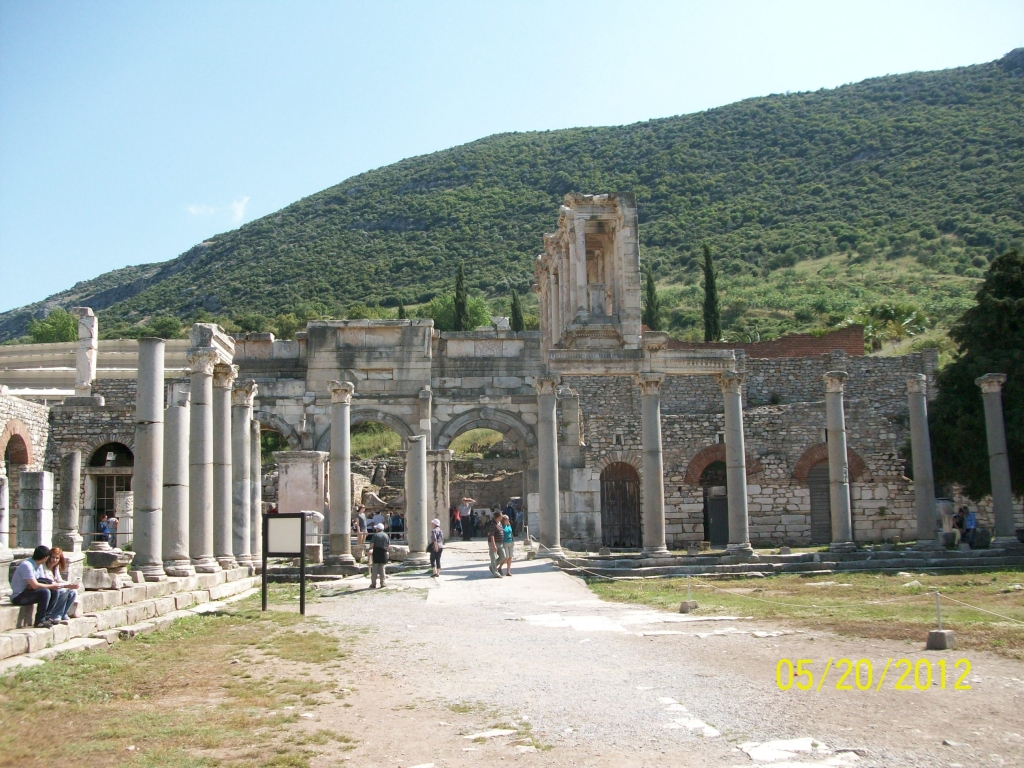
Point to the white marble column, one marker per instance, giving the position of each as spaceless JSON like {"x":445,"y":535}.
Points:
{"x":581,"y":266}
{"x":148,"y":477}
{"x":341,"y":473}
{"x":176,"y":471}
{"x":1004,"y":534}
{"x":224,"y":376}
{"x":200,"y":461}
{"x":255,"y":495}
{"x":67,"y":536}
{"x":921,"y":448}
{"x":838,"y":465}
{"x":88,"y":347}
{"x":416,"y":500}
{"x":735,"y":464}
{"x":6,"y":556}
{"x":241,"y":454}
{"x":547,"y":465}
{"x":653,"y":467}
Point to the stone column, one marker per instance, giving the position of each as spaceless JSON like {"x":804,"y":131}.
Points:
{"x":547,"y":465}
{"x":341,"y":473}
{"x":426,"y":415}
{"x":88,"y":347}
{"x":255,"y":495}
{"x":67,"y":537}
{"x":416,"y":500}
{"x":654,"y":473}
{"x":200,"y":461}
{"x":581,"y":267}
{"x":838,"y":467}
{"x":921,"y":445}
{"x":35,"y":509}
{"x":438,"y":476}
{"x":736,"y":464}
{"x":241,"y":454}
{"x":148,"y":478}
{"x":176,"y":488}
{"x":998,"y":459}
{"x":224,"y":376}
{"x":6,"y":556}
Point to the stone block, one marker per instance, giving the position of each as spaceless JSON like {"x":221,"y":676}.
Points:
{"x":793,"y":519}
{"x":158,"y":589}
{"x":183,"y":600}
{"x":36,"y":639}
{"x":165,"y":605}
{"x":132,"y":630}
{"x":109,"y":636}
{"x":10,"y":616}
{"x":18,"y":643}
{"x":134,"y":594}
{"x":6,"y":647}
{"x":200,"y":596}
{"x":940,"y":640}
{"x":85,"y":625}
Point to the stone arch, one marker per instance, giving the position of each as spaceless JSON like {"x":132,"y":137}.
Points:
{"x":21,"y":447}
{"x":711,"y":454}
{"x":633,"y":458}
{"x":819,"y":452}
{"x":363,"y":415}
{"x":509,"y":424}
{"x":126,"y":439}
{"x":277,"y":424}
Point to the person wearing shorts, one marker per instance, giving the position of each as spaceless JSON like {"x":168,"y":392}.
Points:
{"x":508,"y":544}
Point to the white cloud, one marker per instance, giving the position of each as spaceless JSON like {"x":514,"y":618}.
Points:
{"x":237,"y":209}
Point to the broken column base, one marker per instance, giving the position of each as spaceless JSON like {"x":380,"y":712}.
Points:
{"x":687,"y":606}
{"x":842,"y":546}
{"x":100,"y":578}
{"x":940,"y":640}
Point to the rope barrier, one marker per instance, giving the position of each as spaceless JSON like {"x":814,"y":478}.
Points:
{"x":976,"y":608}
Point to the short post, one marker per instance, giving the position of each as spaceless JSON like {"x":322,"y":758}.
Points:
{"x":940,"y":639}
{"x":687,"y":605}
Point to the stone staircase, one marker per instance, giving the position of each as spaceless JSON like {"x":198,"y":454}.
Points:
{"x":715,"y":564}
{"x":102,"y":617}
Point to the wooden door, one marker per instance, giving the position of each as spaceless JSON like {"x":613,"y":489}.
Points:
{"x":620,"y":506}
{"x":821,"y":504}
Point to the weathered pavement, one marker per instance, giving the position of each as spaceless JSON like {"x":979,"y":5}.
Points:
{"x":607,"y":684}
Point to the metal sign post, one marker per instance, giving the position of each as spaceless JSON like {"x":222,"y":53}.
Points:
{"x":284,"y":535}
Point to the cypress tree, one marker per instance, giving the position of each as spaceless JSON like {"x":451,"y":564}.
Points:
{"x":401,"y":311}
{"x":516,"y":319}
{"x":461,"y":302}
{"x":651,"y":316}
{"x":712,"y":312}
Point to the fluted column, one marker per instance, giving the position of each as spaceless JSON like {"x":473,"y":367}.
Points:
{"x":547,"y":465}
{"x":416,"y":500}
{"x":67,"y":536}
{"x":241,"y":454}
{"x":998,"y":459}
{"x":148,"y":478}
{"x":838,"y":466}
{"x":921,"y":448}
{"x":654,"y":473}
{"x":224,"y":376}
{"x":735,"y":464}
{"x":341,"y":473}
{"x":176,"y":472}
{"x":255,"y":494}
{"x":200,"y":461}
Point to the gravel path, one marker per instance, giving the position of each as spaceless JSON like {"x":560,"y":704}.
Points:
{"x":607,"y":684}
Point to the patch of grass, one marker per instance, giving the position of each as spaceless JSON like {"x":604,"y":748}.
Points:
{"x":476,"y":442}
{"x":861,"y":605}
{"x":371,"y":440}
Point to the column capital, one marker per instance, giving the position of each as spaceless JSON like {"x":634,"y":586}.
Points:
{"x":416,"y":438}
{"x":730,"y":381}
{"x":202,"y":360}
{"x":650,"y":383}
{"x":546,"y":385}
{"x":917,"y":384}
{"x":82,"y":312}
{"x":341,"y":391}
{"x":224,"y":375}
{"x":244,"y":393}
{"x":834,"y":380}
{"x":991,"y":382}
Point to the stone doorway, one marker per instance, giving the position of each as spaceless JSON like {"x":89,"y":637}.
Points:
{"x":620,"y":506}
{"x":716,"y":504}
{"x":821,"y":505}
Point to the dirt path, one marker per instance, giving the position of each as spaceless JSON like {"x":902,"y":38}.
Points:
{"x":605,"y":684}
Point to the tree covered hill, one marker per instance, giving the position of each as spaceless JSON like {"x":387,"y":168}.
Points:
{"x":815,"y":205}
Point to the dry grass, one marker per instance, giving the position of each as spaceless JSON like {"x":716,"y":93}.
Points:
{"x":211,"y":690}
{"x":862,"y":605}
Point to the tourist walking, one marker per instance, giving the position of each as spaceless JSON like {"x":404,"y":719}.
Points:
{"x":29,"y":587}
{"x":436,"y":546}
{"x":466,"y":515}
{"x":64,"y":597}
{"x":495,"y":537}
{"x":379,"y":543}
{"x":508,"y":544}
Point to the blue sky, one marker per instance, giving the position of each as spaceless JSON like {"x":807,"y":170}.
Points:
{"x":129,"y":131}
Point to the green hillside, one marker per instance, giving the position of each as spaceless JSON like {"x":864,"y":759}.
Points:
{"x":816,"y":205}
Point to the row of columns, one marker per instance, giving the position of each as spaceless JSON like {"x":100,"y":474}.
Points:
{"x":653,"y":490}
{"x":198,"y":505}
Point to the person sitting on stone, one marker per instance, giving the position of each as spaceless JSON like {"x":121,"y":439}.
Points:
{"x":64,"y":598}
{"x":29,"y":587}
{"x":970,"y":527}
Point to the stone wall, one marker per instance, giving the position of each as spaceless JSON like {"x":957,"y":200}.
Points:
{"x":25,"y":423}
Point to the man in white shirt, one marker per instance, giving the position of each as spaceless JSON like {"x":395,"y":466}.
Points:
{"x":26,"y":588}
{"x":465,"y":510}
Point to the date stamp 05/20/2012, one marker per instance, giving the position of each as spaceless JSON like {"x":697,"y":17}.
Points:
{"x":859,"y":675}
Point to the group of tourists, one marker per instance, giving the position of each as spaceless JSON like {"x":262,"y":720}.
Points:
{"x":500,"y":544}
{"x":379,"y":551}
{"x":965,"y":521}
{"x":464,"y":520}
{"x":393,"y":524}
{"x":41,"y":581}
